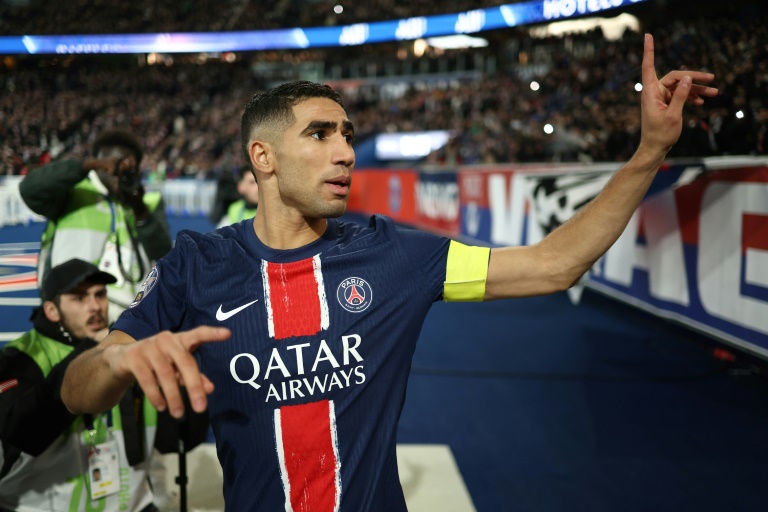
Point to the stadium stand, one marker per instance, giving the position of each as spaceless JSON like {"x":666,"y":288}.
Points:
{"x":85,"y":17}
{"x":187,"y":106}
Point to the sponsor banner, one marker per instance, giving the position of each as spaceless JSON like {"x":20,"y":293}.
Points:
{"x":555,"y":199}
{"x":495,"y":202}
{"x":697,"y":252}
{"x":389,"y":192}
{"x":473,"y":205}
{"x":437,"y":202}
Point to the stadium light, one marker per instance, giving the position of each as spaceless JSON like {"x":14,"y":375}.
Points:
{"x":457,"y":42}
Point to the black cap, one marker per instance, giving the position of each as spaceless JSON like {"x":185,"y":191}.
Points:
{"x":69,"y":275}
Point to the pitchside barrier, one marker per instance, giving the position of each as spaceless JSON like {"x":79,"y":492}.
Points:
{"x":696,"y":251}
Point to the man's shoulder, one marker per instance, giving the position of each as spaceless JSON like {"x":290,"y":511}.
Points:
{"x":356,"y":225}
{"x":211,"y":240}
{"x":357,"y":232}
{"x":377,"y":226}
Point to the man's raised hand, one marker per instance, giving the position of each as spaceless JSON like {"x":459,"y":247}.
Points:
{"x":663,"y":100}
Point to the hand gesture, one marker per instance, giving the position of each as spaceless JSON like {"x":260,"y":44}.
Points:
{"x":662,"y":100}
{"x":112,"y":166}
{"x":163,"y":362}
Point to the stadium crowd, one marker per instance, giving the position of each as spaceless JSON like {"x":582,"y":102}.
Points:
{"x":188,"y":113}
{"x":117,"y":17}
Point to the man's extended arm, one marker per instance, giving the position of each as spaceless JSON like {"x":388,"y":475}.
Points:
{"x":558,"y":261}
{"x":97,"y":379}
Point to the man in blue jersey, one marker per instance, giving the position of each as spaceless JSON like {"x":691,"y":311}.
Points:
{"x":296,"y":330}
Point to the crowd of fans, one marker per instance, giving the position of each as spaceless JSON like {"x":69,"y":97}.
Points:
{"x":188,"y":114}
{"x":118,"y":17}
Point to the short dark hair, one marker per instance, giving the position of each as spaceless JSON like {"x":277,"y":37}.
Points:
{"x":276,"y":106}
{"x":120,"y":138}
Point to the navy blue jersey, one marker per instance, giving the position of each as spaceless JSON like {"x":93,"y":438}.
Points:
{"x":310,"y":386}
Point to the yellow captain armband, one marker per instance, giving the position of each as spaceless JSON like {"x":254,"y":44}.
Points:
{"x":465,"y":273}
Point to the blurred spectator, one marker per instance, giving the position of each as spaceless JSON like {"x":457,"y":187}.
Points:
{"x":185,"y":107}
{"x":87,"y":17}
{"x":246,"y":202}
{"x":97,"y":210}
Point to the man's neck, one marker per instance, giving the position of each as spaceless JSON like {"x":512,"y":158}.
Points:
{"x":286,"y":233}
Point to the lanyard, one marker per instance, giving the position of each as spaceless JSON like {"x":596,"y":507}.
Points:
{"x":91,"y":427}
{"x":134,"y":245}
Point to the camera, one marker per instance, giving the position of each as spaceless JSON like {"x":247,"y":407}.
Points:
{"x":129,"y":180}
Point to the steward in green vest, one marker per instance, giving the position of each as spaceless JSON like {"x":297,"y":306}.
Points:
{"x":97,"y":210}
{"x":245,"y":207}
{"x":50,"y":459}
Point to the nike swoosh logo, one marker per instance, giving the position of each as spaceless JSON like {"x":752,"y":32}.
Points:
{"x":221,"y":315}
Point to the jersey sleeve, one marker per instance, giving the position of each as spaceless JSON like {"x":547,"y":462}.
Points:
{"x":426,"y":254}
{"x":161,"y":303}
{"x":450,"y":270}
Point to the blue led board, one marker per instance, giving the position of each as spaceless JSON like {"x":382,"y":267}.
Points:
{"x":469,"y":22}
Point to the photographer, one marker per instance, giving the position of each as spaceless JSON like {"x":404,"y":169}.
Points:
{"x":97,"y":210}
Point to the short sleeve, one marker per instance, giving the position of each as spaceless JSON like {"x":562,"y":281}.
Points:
{"x":427,"y":254}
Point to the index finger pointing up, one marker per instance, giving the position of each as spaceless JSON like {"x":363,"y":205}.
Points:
{"x":649,"y":70}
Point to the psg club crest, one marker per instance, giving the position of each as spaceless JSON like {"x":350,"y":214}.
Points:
{"x":354,"y":294}
{"x":146,"y":286}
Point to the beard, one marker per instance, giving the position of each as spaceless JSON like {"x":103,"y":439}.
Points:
{"x":311,"y":204}
{"x":328,"y":211}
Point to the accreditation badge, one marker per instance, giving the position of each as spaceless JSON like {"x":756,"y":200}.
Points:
{"x":104,"y":469}
{"x":110,"y":261}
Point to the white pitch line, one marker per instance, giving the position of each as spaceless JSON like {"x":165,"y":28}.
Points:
{"x":19,"y":301}
{"x":19,"y":246}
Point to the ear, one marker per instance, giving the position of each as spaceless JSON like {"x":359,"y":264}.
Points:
{"x":51,"y":311}
{"x":262,"y":156}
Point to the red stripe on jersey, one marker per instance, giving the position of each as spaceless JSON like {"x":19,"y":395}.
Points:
{"x":296,"y":301}
{"x":308,"y":452}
